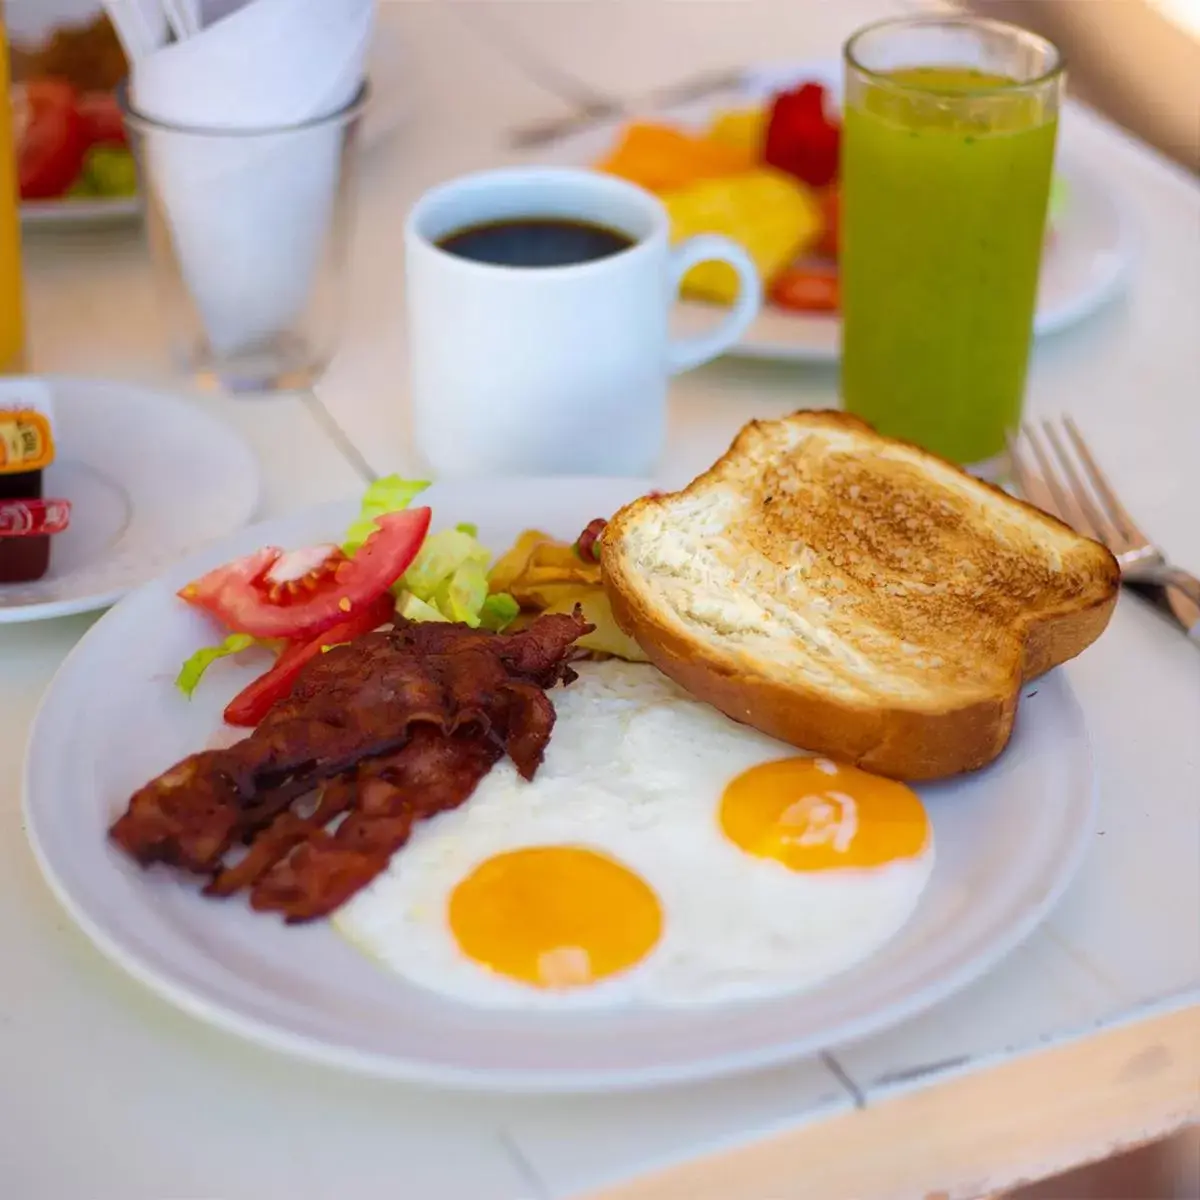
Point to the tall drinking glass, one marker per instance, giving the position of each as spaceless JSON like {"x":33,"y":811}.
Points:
{"x":948,"y":148}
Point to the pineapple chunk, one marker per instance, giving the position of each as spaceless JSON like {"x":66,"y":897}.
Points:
{"x":742,"y":128}
{"x":774,"y":217}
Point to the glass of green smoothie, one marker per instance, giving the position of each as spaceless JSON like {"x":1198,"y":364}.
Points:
{"x":947,"y":155}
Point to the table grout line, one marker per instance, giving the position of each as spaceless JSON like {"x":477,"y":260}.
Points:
{"x":519,"y":1160}
{"x":835,"y":1068}
{"x":553,"y":79}
{"x":809,"y":1111}
{"x":1084,"y":962}
{"x":337,"y":436}
{"x":562,"y":83}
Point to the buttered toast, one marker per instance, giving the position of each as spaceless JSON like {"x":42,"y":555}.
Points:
{"x":854,"y":595}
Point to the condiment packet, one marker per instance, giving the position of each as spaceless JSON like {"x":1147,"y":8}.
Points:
{"x":26,"y":426}
{"x":33,"y":518}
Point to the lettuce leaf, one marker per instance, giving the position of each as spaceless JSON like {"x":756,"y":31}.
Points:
{"x":389,"y":494}
{"x":442,"y":555}
{"x":447,"y":581}
{"x":412,"y":609}
{"x":498,"y":612}
{"x":466,"y":592}
{"x":451,"y":584}
{"x":193,"y":670}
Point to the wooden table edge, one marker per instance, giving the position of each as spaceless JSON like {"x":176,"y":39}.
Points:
{"x":974,"y":1135}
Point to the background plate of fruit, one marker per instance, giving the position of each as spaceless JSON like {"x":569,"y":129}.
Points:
{"x":760,"y":164}
{"x":73,"y":163}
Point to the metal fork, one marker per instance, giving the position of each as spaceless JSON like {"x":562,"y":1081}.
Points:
{"x":1069,"y":485}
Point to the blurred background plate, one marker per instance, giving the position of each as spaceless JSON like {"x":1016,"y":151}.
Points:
{"x":152,"y":477}
{"x":79,"y":213}
{"x":31,"y":22}
{"x":1084,"y":264}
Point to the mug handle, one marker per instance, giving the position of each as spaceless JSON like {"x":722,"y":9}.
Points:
{"x":688,"y":352}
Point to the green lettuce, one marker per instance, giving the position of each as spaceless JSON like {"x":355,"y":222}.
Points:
{"x":412,"y":609}
{"x":440,"y":557}
{"x":447,"y":581}
{"x":193,"y":670}
{"x":465,"y":593}
{"x":386,"y":495}
{"x":498,"y":612}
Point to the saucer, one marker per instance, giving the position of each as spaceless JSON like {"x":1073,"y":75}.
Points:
{"x":151,"y":478}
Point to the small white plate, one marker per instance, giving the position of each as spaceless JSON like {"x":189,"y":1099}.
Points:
{"x":1083,"y":266}
{"x":81,"y":213}
{"x":151,"y":478}
{"x":1009,"y":838}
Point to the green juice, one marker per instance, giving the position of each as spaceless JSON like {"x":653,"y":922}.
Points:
{"x":945,"y":183}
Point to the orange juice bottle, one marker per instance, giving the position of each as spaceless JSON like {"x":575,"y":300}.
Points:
{"x":12,"y":310}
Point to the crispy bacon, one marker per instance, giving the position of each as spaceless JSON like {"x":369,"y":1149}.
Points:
{"x":379,"y":733}
{"x":587,"y":545}
{"x":433,"y":773}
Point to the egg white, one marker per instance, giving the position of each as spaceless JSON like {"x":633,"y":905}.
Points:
{"x":635,"y":769}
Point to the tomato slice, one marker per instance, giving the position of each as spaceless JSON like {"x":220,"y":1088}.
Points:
{"x":809,"y":288}
{"x":297,"y":574}
{"x":239,"y":594}
{"x":52,"y":141}
{"x":102,"y":121}
{"x":253,"y":702}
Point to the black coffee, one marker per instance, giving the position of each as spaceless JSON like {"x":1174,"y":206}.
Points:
{"x":535,"y":242}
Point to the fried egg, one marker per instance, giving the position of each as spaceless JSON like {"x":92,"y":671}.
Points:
{"x":664,"y":855}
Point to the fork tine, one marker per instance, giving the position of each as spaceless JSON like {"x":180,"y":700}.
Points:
{"x":1105,"y":530}
{"x":1065,"y":506}
{"x":1032,"y":487}
{"x":1116,"y":510}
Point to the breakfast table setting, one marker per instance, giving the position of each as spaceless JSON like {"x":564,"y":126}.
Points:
{"x":1042,"y":1010}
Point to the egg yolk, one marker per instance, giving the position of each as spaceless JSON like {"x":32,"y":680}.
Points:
{"x":554,"y":916}
{"x":812,"y":814}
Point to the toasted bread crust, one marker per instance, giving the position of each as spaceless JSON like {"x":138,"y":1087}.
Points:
{"x":905,"y":743}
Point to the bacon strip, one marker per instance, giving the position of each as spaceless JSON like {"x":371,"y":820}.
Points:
{"x":433,"y":773}
{"x":391,"y":728}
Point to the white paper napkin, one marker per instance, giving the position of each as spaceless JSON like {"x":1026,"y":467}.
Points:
{"x":249,"y":214}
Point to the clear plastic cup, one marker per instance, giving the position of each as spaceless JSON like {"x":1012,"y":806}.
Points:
{"x":249,"y":232}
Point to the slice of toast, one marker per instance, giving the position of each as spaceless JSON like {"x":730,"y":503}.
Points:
{"x":854,"y":595}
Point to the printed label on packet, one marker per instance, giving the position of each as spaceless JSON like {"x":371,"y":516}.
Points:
{"x":26,"y":426}
{"x":33,"y":518}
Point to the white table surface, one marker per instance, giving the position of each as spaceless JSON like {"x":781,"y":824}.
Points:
{"x":1086,"y":1036}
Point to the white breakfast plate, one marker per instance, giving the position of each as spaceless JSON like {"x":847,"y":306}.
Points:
{"x":1082,"y":268}
{"x":1008,"y":838}
{"x":151,"y":477}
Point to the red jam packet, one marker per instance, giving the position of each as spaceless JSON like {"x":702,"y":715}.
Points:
{"x":33,"y":518}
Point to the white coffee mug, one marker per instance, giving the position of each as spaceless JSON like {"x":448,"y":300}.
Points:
{"x":552,"y":370}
